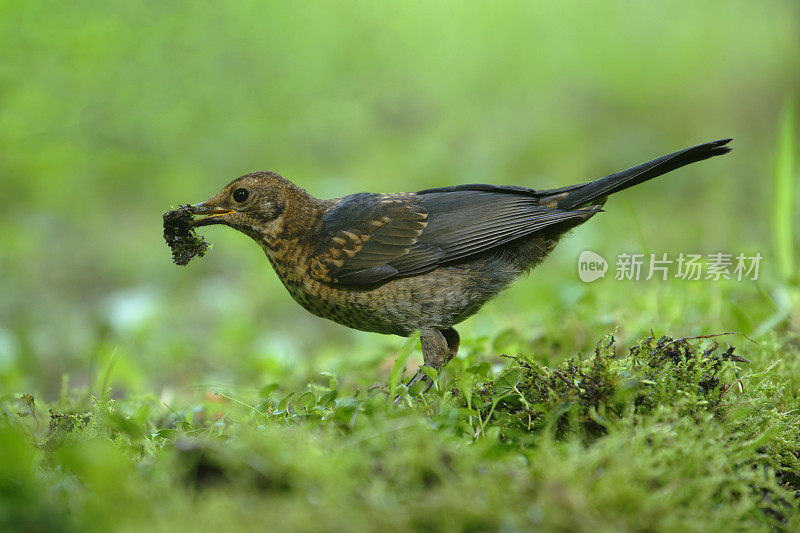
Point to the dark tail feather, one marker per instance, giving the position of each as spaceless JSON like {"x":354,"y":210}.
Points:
{"x":578,"y":195}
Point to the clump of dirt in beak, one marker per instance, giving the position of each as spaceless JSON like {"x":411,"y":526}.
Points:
{"x":181,"y":237}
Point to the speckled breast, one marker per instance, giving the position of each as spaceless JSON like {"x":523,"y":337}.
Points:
{"x":360,"y":309}
{"x":436,"y":300}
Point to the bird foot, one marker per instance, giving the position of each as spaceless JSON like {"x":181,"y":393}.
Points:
{"x":419,"y":377}
{"x":438,"y":349}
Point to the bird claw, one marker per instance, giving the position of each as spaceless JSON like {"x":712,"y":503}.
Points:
{"x":419,"y":377}
{"x":438,"y":349}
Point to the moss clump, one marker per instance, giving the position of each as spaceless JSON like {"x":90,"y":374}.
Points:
{"x":181,"y":237}
{"x":65,"y":426}
{"x":591,"y":395}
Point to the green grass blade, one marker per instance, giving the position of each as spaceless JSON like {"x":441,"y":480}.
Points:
{"x":785,"y":190}
{"x":400,"y":362}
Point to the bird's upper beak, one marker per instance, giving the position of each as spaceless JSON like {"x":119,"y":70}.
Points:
{"x":215,"y":214}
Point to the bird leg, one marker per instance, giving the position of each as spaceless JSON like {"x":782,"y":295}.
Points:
{"x":438,"y":348}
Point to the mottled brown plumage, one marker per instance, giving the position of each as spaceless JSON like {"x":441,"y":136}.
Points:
{"x":397,"y":263}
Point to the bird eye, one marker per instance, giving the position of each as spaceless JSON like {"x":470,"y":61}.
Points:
{"x":240,"y":195}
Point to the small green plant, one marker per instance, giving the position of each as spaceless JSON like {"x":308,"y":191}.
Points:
{"x":784,"y":212}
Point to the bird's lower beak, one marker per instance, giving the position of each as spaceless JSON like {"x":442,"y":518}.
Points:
{"x":214,"y":214}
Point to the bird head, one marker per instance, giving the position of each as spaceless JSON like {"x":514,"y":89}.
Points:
{"x":253,"y":204}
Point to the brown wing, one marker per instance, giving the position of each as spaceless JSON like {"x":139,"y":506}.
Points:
{"x":371,"y":238}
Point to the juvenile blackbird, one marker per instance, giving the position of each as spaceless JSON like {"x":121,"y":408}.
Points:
{"x":397,"y":263}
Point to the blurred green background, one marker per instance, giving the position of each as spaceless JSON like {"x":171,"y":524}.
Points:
{"x":110,"y":113}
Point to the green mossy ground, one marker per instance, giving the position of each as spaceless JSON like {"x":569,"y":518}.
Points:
{"x":669,"y":434}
